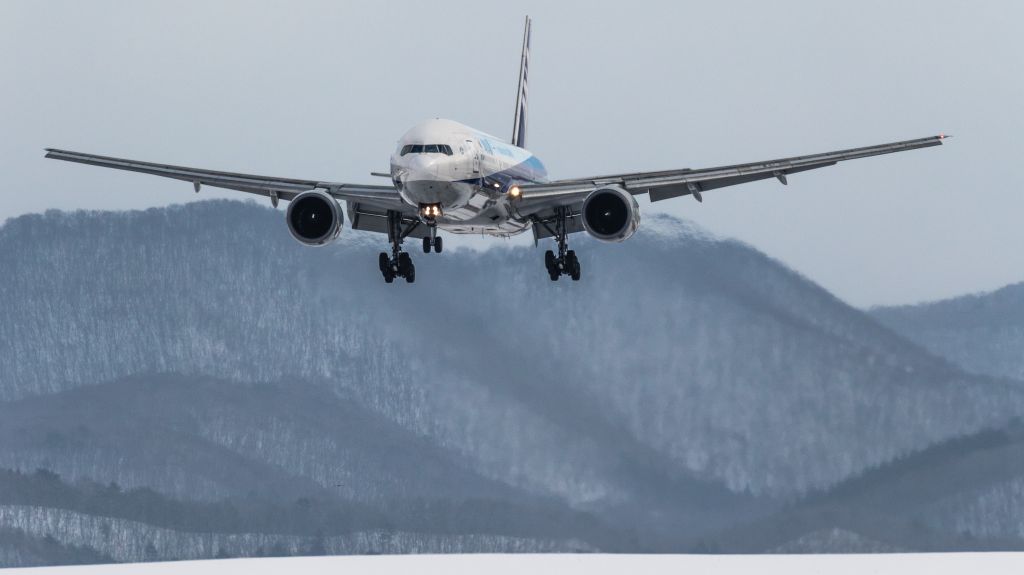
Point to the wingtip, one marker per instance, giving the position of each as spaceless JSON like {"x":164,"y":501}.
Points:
{"x":55,"y":153}
{"x":945,"y":136}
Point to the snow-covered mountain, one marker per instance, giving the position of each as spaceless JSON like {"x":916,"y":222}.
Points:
{"x":983,"y":333}
{"x":686,"y":387}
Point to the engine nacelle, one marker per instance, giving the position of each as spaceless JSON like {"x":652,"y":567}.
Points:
{"x":314,"y":218}
{"x":611,"y":214}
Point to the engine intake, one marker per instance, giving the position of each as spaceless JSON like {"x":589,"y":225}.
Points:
{"x":314,"y":218}
{"x":611,"y":214}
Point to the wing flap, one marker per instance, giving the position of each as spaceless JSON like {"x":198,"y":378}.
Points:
{"x":816,"y":160}
{"x":284,"y":188}
{"x":682,"y":188}
{"x":367,"y":217}
{"x":666,"y":184}
{"x":544,"y":223}
{"x":232,"y":181}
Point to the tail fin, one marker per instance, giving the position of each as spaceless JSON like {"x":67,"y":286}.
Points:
{"x":519,"y":128}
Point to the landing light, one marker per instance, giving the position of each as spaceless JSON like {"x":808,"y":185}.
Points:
{"x":515,"y":192}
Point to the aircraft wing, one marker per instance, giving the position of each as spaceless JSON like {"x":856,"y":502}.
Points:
{"x":381,"y":197}
{"x":538,"y":201}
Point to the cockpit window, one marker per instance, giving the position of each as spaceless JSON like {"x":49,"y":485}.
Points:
{"x":427,"y":149}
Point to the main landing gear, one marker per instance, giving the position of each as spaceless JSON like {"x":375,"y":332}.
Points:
{"x":398,"y":264}
{"x":566,"y":262}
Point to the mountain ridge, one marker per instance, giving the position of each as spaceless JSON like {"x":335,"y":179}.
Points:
{"x":686,"y":386}
{"x":982,"y":333}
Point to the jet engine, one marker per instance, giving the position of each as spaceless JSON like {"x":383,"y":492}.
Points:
{"x":611,"y":214}
{"x":314,"y":218}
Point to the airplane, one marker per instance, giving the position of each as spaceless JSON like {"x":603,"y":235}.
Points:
{"x":448,"y":176}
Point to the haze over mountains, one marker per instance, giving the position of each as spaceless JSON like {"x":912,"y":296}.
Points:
{"x":250,"y":396}
{"x":983,"y":333}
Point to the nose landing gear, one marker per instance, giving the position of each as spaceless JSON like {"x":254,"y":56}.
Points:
{"x":432,"y":241}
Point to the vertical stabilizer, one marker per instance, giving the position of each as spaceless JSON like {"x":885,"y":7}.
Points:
{"x":519,"y":128}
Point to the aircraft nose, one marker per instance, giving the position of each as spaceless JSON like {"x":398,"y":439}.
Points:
{"x":422,"y":166}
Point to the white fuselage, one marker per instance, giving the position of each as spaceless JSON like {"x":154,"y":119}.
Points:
{"x":465,"y":172}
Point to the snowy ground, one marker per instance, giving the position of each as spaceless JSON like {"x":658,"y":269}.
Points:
{"x":933,"y":564}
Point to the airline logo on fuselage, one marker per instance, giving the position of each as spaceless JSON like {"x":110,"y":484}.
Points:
{"x":495,"y":147}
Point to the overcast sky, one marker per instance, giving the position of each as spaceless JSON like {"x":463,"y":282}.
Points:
{"x":324,"y":89}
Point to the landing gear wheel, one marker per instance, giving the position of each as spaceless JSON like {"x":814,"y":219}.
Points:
{"x":410,"y":274}
{"x":426,"y":245}
{"x":438,"y":244}
{"x":549,"y":261}
{"x":404,"y":264}
{"x":572,"y":265}
{"x":385,"y":268}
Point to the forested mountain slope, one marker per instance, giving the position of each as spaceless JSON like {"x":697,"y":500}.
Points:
{"x":983,"y":333}
{"x":685,"y":386}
